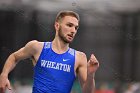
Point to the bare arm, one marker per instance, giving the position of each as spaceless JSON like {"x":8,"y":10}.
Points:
{"x":86,"y":73}
{"x":23,"y":53}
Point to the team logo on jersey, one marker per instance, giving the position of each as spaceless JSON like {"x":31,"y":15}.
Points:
{"x":66,"y":59}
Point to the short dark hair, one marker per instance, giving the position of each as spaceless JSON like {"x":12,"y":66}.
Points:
{"x":62,"y":14}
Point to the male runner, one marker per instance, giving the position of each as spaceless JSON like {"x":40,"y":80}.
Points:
{"x":55,"y":64}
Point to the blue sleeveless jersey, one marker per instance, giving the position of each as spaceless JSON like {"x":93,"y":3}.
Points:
{"x":54,"y":73}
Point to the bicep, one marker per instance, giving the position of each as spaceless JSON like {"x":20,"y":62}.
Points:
{"x":82,"y":70}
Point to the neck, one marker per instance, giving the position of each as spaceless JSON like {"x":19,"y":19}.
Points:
{"x":59,"y":46}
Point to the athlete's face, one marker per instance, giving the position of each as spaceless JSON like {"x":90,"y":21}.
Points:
{"x":68,"y":28}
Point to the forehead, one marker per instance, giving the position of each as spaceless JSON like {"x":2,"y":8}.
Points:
{"x":70,"y":19}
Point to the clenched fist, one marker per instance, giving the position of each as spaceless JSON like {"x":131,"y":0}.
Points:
{"x":93,"y":65}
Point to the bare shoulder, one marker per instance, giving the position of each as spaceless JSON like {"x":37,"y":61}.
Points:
{"x":34,"y":44}
{"x":80,"y":54}
{"x":81,"y":57}
{"x":33,"y":47}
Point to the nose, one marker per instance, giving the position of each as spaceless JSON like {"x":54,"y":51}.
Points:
{"x":73,"y":30}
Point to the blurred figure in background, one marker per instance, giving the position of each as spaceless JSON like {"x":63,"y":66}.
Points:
{"x":133,"y":88}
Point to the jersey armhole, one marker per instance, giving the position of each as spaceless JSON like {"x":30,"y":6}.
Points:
{"x":44,"y":43}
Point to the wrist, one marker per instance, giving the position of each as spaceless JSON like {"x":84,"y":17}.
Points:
{"x":91,"y":76}
{"x":4,"y":74}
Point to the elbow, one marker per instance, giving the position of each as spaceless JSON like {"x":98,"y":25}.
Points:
{"x":13,"y":58}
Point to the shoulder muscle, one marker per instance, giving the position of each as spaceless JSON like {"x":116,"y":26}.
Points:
{"x":81,"y":57}
{"x":27,"y":51}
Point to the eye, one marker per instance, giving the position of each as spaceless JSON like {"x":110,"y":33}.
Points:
{"x":69,"y":25}
{"x":76,"y":28}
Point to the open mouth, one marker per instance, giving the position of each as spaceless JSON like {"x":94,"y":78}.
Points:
{"x":71,"y":36}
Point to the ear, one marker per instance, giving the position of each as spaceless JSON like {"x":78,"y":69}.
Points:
{"x":56,"y":25}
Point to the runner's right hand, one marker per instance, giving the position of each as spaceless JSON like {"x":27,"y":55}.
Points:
{"x":4,"y":83}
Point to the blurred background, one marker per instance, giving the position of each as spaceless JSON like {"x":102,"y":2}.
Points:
{"x":108,"y":28}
